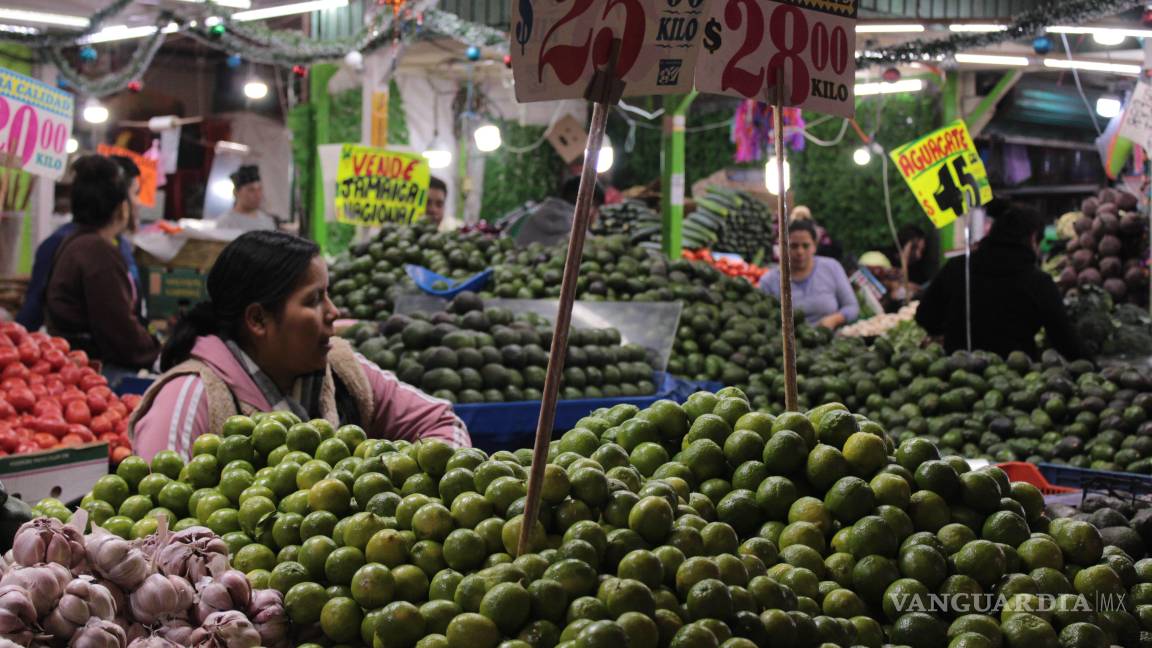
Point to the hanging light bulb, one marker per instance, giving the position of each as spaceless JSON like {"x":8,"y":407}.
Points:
{"x":487,"y":138}
{"x":772,"y":176}
{"x":72,"y":146}
{"x":438,"y":156}
{"x":95,"y":112}
{"x":862,"y":156}
{"x":1108,"y":107}
{"x":255,"y":89}
{"x":606,"y":158}
{"x":1108,"y":38}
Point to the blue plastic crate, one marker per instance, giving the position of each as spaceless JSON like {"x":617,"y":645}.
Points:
{"x":1096,"y":480}
{"x":425,"y":280}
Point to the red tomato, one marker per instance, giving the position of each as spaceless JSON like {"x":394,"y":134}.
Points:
{"x":131,"y":401}
{"x":21,"y":398}
{"x":55,"y":358}
{"x":54,"y":386}
{"x":15,"y":332}
{"x":70,"y":374}
{"x":120,"y":454}
{"x":70,"y":440}
{"x":91,"y":380}
{"x":97,"y":402}
{"x":15,"y":370}
{"x":41,"y":368}
{"x":9,"y":441}
{"x":79,"y":358}
{"x":38,"y":390}
{"x":78,"y":412}
{"x":44,"y":440}
{"x":8,"y":355}
{"x":6,"y":410}
{"x":119,"y":408}
{"x":29,"y":353}
{"x":122,"y":428}
{"x":47,"y":408}
{"x":100,"y":425}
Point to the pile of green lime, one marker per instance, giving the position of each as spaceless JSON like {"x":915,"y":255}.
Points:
{"x":705,"y":524}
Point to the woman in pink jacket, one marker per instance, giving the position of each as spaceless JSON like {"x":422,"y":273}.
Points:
{"x":264,"y":341}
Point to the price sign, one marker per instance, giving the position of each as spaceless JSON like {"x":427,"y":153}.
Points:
{"x":558,"y":44}
{"x":148,"y":171}
{"x":376,"y":186}
{"x":749,"y":45}
{"x":35,"y":123}
{"x":944,"y":170}
{"x":1136,"y":124}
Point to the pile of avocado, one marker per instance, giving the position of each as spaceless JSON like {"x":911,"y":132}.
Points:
{"x":728,"y":331}
{"x":469,"y":354}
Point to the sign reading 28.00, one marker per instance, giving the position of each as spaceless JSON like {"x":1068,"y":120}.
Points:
{"x":558,"y":45}
{"x":752,"y":47}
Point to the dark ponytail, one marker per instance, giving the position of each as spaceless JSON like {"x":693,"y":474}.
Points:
{"x":257,"y":268}
{"x":99,"y":187}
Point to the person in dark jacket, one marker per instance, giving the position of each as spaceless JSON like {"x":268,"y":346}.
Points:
{"x":1012,"y":298}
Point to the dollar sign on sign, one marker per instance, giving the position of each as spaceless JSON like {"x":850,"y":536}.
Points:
{"x":524,"y":27}
{"x":712,"y":38}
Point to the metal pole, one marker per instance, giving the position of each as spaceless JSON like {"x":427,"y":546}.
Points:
{"x":787,"y":323}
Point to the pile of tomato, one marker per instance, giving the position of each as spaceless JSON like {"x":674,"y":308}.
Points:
{"x":51,"y":397}
{"x":727,"y":265}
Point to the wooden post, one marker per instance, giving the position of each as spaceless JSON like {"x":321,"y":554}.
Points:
{"x":604,"y":90}
{"x":787,"y":324}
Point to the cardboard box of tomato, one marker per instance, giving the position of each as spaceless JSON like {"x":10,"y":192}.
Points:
{"x":52,"y":397}
{"x":65,"y":473}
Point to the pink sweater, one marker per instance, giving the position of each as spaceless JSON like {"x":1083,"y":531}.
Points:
{"x":179,"y":413}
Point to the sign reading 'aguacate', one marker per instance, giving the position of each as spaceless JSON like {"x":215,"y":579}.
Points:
{"x":944,"y":170}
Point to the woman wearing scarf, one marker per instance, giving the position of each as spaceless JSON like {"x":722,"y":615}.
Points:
{"x":264,"y":341}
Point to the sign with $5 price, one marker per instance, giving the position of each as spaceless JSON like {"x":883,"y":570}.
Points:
{"x":944,"y":170}
{"x":557,"y":45}
{"x":749,"y":44}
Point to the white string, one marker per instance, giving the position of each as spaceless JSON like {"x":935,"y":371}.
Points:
{"x":520,"y":150}
{"x":1080,"y":88}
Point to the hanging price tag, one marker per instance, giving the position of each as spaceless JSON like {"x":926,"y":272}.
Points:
{"x":558,"y":44}
{"x":944,"y":170}
{"x":749,"y":44}
{"x":35,"y":124}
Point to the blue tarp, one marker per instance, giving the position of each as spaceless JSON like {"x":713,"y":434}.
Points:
{"x":426,"y":280}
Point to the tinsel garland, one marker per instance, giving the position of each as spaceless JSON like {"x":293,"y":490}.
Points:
{"x":1030,"y":23}
{"x":113,"y":81}
{"x":57,"y":38}
{"x":445,"y":23}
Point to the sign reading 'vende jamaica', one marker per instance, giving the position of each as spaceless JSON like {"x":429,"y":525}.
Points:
{"x":376,"y":186}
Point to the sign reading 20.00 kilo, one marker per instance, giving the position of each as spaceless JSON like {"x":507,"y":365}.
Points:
{"x":748,"y":44}
{"x":558,"y":44}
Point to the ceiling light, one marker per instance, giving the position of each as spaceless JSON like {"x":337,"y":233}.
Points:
{"x":288,"y":10}
{"x":95,"y":112}
{"x":224,"y":146}
{"x":1093,"y":66}
{"x":19,"y":29}
{"x":211,"y":21}
{"x":1108,"y":38}
{"x":606,"y":158}
{"x":255,"y":89}
{"x":903,"y":85}
{"x":977,"y":27}
{"x":888,"y":28}
{"x":772,"y":176}
{"x":223,"y":188}
{"x":124,"y":32}
{"x":1108,"y":107}
{"x":862,"y":156}
{"x":235,"y":4}
{"x":64,"y":20}
{"x":1126,"y":33}
{"x":438,"y":157}
{"x":487,"y":138}
{"x":991,"y":59}
{"x":72,"y":146}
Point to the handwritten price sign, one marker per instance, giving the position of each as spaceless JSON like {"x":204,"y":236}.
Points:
{"x":35,"y":124}
{"x":944,"y":170}
{"x":557,"y":45}
{"x":376,"y":186}
{"x":749,"y":44}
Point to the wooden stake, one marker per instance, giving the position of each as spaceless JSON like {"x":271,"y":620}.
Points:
{"x":787,"y":324}
{"x":603,"y":91}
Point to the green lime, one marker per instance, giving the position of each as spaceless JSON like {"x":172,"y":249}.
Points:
{"x":254,"y":556}
{"x":167,"y":462}
{"x":143,"y":528}
{"x":112,"y":489}
{"x":340,"y":619}
{"x":330,"y":495}
{"x":255,"y":514}
{"x":135,"y":507}
{"x":206,"y":444}
{"x":351,"y":435}
{"x":314,"y":554}
{"x":373,"y":586}
{"x":119,"y":525}
{"x":318,"y":523}
{"x":304,"y":603}
{"x":223,"y":521}
{"x":132,"y":469}
{"x":332,"y":451}
{"x":303,"y":437}
{"x":471,"y":629}
{"x":286,"y":575}
{"x":401,"y":624}
{"x":238,"y":425}
{"x":234,"y":448}
{"x":342,"y":564}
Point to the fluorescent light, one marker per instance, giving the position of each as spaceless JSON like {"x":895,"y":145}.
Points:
{"x":438,"y":157}
{"x":64,"y":20}
{"x":72,"y":146}
{"x":95,"y":112}
{"x":772,"y":176}
{"x":1114,"y":31}
{"x":1108,"y":107}
{"x":862,"y":156}
{"x":991,"y":59}
{"x":903,"y":85}
{"x":888,"y":28}
{"x":232,"y":147}
{"x":1117,"y":68}
{"x":235,"y":4}
{"x":19,"y":29}
{"x":487,"y":138}
{"x":255,"y":89}
{"x":977,"y":27}
{"x":1108,"y":38}
{"x":124,"y":32}
{"x":211,"y":21}
{"x":288,"y":9}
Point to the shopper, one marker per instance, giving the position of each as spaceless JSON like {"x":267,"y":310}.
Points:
{"x":550,"y":222}
{"x":264,"y":341}
{"x":248,"y":196}
{"x":826,"y":246}
{"x":915,"y":243}
{"x":819,"y":286}
{"x":90,"y":299}
{"x":1012,"y":298}
{"x":31,"y":313}
{"x":437,"y":199}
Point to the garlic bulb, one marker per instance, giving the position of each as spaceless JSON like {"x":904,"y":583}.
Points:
{"x":99,"y":633}
{"x":83,"y":600}
{"x":229,"y":629}
{"x":45,"y":584}
{"x":17,"y":613}
{"x":154,"y":641}
{"x":176,"y":630}
{"x":230,"y":591}
{"x":47,"y":540}
{"x":161,"y":596}
{"x":194,"y":553}
{"x":116,"y":559}
{"x":269,"y":616}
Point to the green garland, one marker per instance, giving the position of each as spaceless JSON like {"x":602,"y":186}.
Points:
{"x":114,"y":81}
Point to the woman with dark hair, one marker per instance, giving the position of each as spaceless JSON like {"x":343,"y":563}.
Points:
{"x":1012,"y":298}
{"x":264,"y":341}
{"x":91,"y":298}
{"x":820,"y":289}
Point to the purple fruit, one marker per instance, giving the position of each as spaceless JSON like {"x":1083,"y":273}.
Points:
{"x":1131,"y":224}
{"x":1111,"y":267}
{"x":1106,"y":208}
{"x":1106,"y":223}
{"x":1116,"y":287}
{"x":1109,"y":246}
{"x":1089,"y":277}
{"x":1082,"y":224}
{"x":1126,"y":200}
{"x":1067,"y":277}
{"x":1081,"y":259}
{"x":1088,"y":241}
{"x":1107,"y":195}
{"x":1088,"y":206}
{"x":1135,"y":277}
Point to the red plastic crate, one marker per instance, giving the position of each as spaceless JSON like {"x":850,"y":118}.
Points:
{"x":1023,"y":471}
